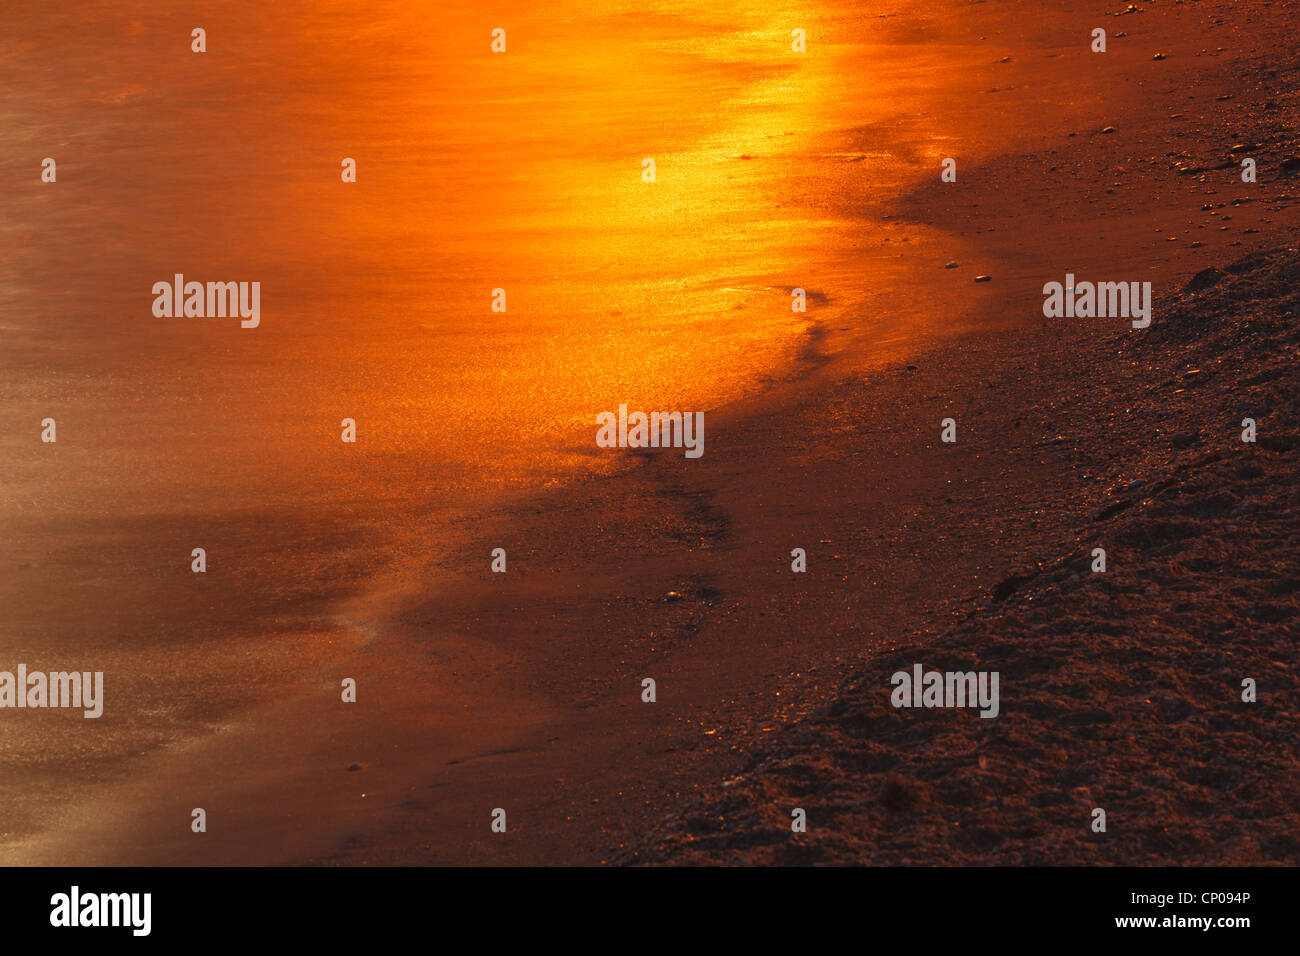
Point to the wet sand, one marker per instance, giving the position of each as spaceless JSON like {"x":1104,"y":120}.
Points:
{"x":522,"y":690}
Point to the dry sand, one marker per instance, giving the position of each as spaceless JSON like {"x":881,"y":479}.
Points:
{"x":1120,"y":690}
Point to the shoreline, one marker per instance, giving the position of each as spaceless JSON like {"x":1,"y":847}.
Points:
{"x":532,"y":697}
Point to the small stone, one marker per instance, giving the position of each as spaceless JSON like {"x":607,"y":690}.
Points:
{"x":673,"y":596}
{"x":983,"y":278}
{"x":1109,"y":129}
{"x":353,"y":766}
{"x":1158,"y":56}
{"x":951,"y":265}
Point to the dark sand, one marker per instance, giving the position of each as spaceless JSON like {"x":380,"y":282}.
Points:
{"x":522,"y":690}
{"x":1120,"y":690}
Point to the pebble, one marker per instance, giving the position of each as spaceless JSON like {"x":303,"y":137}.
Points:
{"x":983,"y":278}
{"x":951,"y":265}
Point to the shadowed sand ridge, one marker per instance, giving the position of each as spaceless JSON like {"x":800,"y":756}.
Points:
{"x":1120,"y":690}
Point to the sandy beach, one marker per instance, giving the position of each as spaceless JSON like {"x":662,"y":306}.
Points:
{"x":522,"y":690}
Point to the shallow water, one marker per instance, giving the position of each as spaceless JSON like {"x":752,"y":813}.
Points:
{"x":476,"y":171}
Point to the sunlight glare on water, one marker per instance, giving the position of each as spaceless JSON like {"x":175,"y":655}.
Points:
{"x":476,"y":171}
